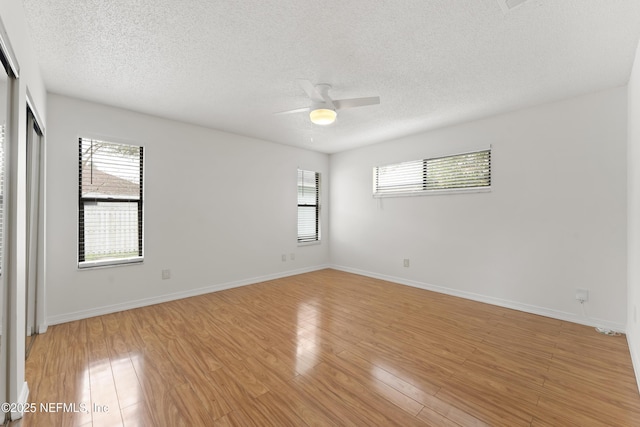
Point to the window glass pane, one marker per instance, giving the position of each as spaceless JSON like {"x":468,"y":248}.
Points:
{"x":110,"y":230}
{"x":405,"y":176}
{"x":465,"y":170}
{"x":110,"y":170}
{"x":307,"y":223}
{"x":307,"y":188}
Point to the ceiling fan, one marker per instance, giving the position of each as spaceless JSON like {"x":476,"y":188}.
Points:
{"x":323,"y":109}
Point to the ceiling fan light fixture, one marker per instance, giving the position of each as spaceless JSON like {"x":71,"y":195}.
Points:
{"x":322,"y":116}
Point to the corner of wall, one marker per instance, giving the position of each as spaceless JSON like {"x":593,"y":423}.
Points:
{"x":633,"y":213}
{"x":635,"y":357}
{"x":22,"y":402}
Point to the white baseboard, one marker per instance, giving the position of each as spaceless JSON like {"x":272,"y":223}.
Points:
{"x":21,"y":403}
{"x":99,"y":311}
{"x":42,"y":328}
{"x":542,"y":311}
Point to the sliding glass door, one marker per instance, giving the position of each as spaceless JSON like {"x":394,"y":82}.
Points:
{"x":9,"y":71}
{"x":4,"y":104}
{"x":34,"y":221}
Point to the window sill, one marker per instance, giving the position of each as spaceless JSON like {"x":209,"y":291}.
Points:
{"x":89,"y":265}
{"x":315,"y":242}
{"x":433,"y":192}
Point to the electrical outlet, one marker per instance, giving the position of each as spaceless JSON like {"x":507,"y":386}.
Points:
{"x":582,"y":295}
{"x":406,"y":262}
{"x":292,"y":256}
{"x":284,"y":257}
{"x":166,"y":274}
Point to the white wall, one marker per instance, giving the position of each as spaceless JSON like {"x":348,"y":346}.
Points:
{"x":633,"y":215}
{"x":554,"y":221}
{"x":30,"y":81}
{"x":220,"y":209}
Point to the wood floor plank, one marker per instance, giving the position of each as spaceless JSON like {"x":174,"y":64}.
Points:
{"x":301,"y":359}
{"x":233,"y":392}
{"x":331,"y":404}
{"x":440,"y":341}
{"x":103,"y":386}
{"x":268,"y":363}
{"x":512,"y":362}
{"x":275,"y":412}
{"x":591,"y":372}
{"x":559,"y":412}
{"x":157,"y":381}
{"x":500,"y":382}
{"x":450,"y":411}
{"x":128,"y":387}
{"x":285,"y":393}
{"x":330,"y":348}
{"x":245,"y":377}
{"x":427,"y":369}
{"x":602,"y":400}
{"x":581,"y":357}
{"x":136,"y":415}
{"x":398,"y":398}
{"x":433,"y":418}
{"x":189,"y":412}
{"x":380,"y":374}
{"x":111,"y":418}
{"x":360,"y":399}
{"x":487,"y":408}
{"x":421,"y":346}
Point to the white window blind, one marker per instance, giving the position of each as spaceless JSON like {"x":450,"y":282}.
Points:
{"x":308,"y":206}
{"x":110,"y":203}
{"x":448,"y":173}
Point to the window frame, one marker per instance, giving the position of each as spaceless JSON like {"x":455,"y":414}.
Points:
{"x":317,"y":237}
{"x":421,"y":188}
{"x":82,"y":201}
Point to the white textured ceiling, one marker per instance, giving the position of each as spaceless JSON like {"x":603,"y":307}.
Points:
{"x":231,"y":64}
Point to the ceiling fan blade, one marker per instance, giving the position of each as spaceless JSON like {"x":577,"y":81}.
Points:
{"x":311,"y":90}
{"x":297,"y":110}
{"x":341,"y":104}
{"x":324,"y":91}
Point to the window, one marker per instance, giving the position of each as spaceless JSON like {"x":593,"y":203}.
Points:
{"x":308,"y":206}
{"x":466,"y":171}
{"x":110,"y":203}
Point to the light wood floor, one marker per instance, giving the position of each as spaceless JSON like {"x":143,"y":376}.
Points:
{"x":331,"y":348}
